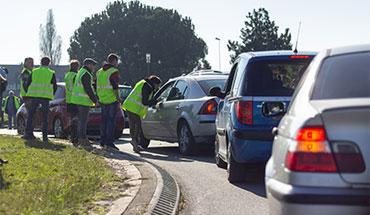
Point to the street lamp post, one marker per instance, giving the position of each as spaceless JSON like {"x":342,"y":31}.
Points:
{"x":219,"y":52}
{"x":148,"y":59}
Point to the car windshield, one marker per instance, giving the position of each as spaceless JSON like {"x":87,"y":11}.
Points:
{"x":277,"y":77}
{"x":206,"y":85}
{"x":345,"y":76}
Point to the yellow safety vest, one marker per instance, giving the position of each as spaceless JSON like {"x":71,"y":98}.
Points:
{"x":134,"y":101}
{"x":17,"y":103}
{"x":41,"y":86}
{"x":79,"y":95}
{"x":69,"y":80}
{"x":104,"y":87}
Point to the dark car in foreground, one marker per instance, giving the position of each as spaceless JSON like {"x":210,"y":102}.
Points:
{"x":259,"y":86}
{"x":59,"y":122}
{"x":321,"y":152}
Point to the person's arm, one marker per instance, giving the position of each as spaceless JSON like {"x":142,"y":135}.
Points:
{"x":114,"y":81}
{"x":86,"y":83}
{"x":27,"y":80}
{"x":54,"y":83}
{"x":147,"y":90}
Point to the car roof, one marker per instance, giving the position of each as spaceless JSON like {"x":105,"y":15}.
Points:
{"x":275,"y":53}
{"x":63,"y":84}
{"x":348,"y":49}
{"x":200,"y":77}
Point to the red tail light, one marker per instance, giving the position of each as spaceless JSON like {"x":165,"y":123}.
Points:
{"x":209,"y":108}
{"x":311,"y":152}
{"x":244,"y":112}
{"x":300,"y":57}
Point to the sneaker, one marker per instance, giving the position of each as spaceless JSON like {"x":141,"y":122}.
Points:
{"x":137,"y":148}
{"x":113,"y":147}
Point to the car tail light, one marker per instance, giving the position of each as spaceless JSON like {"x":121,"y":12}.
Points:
{"x":348,"y":157}
{"x":311,"y":152}
{"x":244,"y":112}
{"x":299,"y":57}
{"x":209,"y":108}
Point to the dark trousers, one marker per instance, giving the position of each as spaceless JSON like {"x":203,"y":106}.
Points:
{"x":73,"y":114}
{"x":83,"y":116}
{"x":135,"y":128}
{"x":34,"y":104}
{"x":12,"y":120}
{"x":1,"y":110}
{"x":108,"y":125}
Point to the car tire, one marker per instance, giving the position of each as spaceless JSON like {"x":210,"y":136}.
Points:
{"x":185,"y":139}
{"x":143,"y":141}
{"x":235,"y":170}
{"x":21,"y":126}
{"x":58,"y":128}
{"x":219,"y":162}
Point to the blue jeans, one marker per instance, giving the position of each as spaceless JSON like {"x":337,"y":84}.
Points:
{"x":34,"y":104}
{"x":108,"y":125}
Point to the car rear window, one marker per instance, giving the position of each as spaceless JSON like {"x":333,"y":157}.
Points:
{"x":276,"y":77}
{"x":206,"y":85}
{"x":344,"y":76}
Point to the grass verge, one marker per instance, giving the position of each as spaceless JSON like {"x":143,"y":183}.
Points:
{"x":52,"y":179}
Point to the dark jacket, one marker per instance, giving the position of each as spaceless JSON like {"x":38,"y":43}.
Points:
{"x":148,"y":89}
{"x":86,"y":83}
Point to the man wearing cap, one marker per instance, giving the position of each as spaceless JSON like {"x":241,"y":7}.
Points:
{"x":10,"y":107}
{"x":40,"y":89}
{"x":109,"y":98}
{"x":83,"y":95}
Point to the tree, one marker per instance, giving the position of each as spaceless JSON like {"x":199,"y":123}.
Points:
{"x":132,"y":30}
{"x":260,"y":34}
{"x":50,"y":42}
{"x":203,"y":64}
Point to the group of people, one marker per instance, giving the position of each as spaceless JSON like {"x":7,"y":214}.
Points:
{"x":85,"y":88}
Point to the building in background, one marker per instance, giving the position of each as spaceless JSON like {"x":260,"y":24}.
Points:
{"x":15,"y":71}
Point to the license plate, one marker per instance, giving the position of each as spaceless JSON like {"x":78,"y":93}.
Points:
{"x":95,"y":110}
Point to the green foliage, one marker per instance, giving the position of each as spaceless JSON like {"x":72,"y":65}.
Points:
{"x":260,"y":34}
{"x":132,"y":30}
{"x":48,"y":178}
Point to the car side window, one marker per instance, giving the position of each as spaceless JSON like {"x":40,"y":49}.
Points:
{"x":230,"y":80}
{"x":179,"y":91}
{"x":164,"y":91}
{"x":60,"y":93}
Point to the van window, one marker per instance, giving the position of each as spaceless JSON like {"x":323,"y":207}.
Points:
{"x":277,"y":77}
{"x":344,"y":76}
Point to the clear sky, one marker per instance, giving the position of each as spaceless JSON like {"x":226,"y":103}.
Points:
{"x":325,"y":23}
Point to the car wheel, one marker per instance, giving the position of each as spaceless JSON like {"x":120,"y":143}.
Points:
{"x":58,"y":128}
{"x":143,"y":141}
{"x":21,"y":126}
{"x":235,"y":170}
{"x":219,"y":162}
{"x":186,"y":139}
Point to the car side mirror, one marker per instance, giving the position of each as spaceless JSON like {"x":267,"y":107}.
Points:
{"x":215,"y":91}
{"x":273,"y":109}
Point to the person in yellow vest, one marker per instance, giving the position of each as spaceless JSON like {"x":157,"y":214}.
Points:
{"x":40,"y":90}
{"x":84,"y":96}
{"x":107,"y":84}
{"x":10,"y":107}
{"x":136,"y":105}
{"x":24,"y":77}
{"x":72,"y":110}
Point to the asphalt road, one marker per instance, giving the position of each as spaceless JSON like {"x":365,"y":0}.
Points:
{"x":204,"y":185}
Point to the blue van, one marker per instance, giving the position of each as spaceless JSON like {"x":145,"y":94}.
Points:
{"x":256,"y":95}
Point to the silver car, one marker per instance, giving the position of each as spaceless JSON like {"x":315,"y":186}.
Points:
{"x":320,"y":162}
{"x":186,"y":112}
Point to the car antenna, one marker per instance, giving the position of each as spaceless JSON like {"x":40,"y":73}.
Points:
{"x":296,"y":43}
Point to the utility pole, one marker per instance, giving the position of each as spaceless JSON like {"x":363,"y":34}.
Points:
{"x":219,"y":52}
